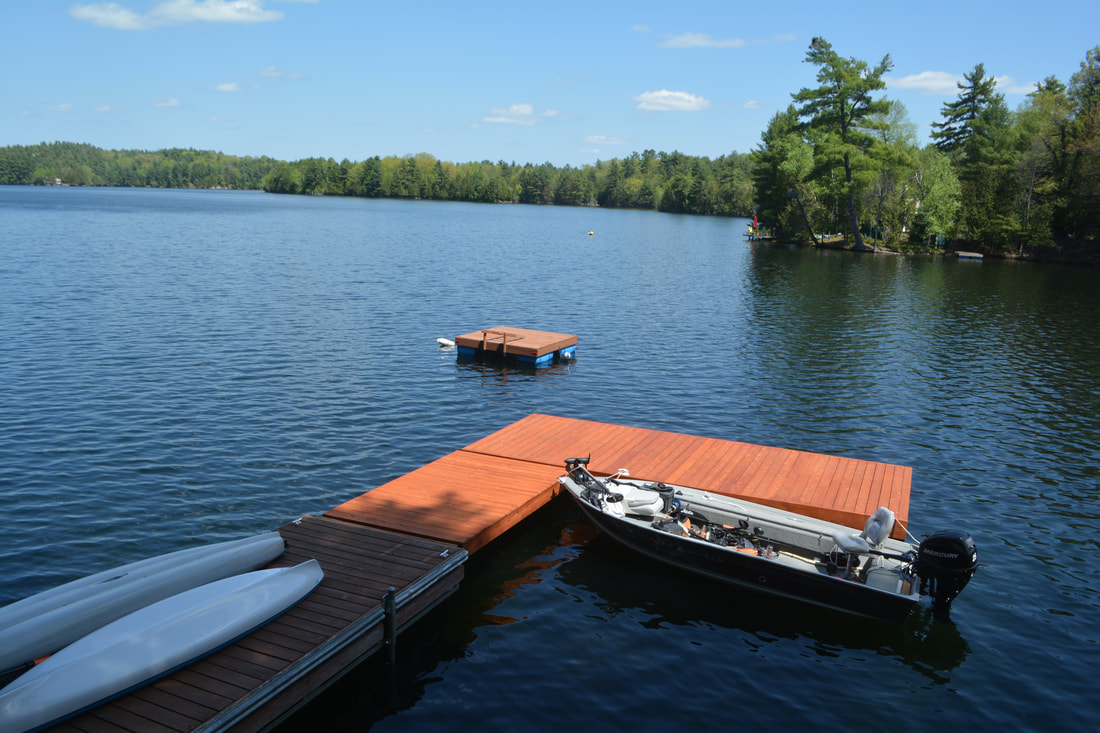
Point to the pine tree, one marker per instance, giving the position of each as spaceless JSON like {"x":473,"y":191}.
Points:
{"x":843,"y":110}
{"x":975,"y":94}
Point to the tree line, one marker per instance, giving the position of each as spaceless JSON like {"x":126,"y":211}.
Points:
{"x":842,"y":160}
{"x":672,"y":182}
{"x":79,"y":164}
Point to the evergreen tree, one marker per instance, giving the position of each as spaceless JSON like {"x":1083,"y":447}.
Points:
{"x":841,"y":111}
{"x":975,"y":94}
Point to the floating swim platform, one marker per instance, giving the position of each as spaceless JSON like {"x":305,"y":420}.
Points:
{"x":525,"y":346}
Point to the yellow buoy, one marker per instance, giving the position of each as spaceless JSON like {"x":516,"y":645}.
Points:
{"x":590,"y":234}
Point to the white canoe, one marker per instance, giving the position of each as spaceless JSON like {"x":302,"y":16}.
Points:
{"x":150,"y":643}
{"x":43,"y":623}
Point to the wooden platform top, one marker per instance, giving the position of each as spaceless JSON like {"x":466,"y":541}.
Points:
{"x":836,"y":489}
{"x":516,"y":341}
{"x":473,"y":495}
{"x":466,"y":499}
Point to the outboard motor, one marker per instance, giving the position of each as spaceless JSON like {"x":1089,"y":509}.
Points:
{"x":946,"y":562}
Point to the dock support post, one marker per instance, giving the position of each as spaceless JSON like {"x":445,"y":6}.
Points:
{"x":389,"y":631}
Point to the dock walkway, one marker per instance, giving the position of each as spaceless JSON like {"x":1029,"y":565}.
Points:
{"x":414,"y":534}
{"x":263,"y":678}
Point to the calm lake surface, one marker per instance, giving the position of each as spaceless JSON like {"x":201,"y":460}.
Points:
{"x":180,"y":367}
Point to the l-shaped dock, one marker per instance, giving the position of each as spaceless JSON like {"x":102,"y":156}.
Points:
{"x":414,"y":534}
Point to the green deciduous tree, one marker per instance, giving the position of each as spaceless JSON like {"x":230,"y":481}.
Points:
{"x":938,"y":195}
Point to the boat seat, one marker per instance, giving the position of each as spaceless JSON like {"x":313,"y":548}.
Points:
{"x":875,"y":532}
{"x":638,"y":502}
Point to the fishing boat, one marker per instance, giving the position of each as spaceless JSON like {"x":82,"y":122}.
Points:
{"x":150,"y":643}
{"x":775,"y":551}
{"x":45,"y":622}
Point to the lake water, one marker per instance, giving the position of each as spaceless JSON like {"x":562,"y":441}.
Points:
{"x":188,"y":366}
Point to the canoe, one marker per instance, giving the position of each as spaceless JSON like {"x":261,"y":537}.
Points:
{"x":45,"y":622}
{"x":150,"y":643}
{"x":775,"y":551}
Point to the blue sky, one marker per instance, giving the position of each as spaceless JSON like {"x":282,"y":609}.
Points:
{"x":565,"y":82}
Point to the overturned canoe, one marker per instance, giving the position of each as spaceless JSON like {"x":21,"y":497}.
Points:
{"x":150,"y":643}
{"x":45,"y":622}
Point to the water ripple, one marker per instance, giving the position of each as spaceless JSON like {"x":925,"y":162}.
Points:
{"x":180,"y":367}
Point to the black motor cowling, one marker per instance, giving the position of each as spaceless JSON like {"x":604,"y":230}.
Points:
{"x":946,"y":562}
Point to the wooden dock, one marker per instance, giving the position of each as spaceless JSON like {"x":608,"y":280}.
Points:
{"x":474,"y":494}
{"x":528,"y":347}
{"x":415,"y":532}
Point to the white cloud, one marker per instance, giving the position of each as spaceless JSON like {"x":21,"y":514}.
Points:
{"x":639,"y":29}
{"x":173,"y":102}
{"x":1008,"y":85}
{"x":271,"y":72}
{"x":102,"y":108}
{"x":229,"y":87}
{"x":520,"y":114}
{"x":175,"y":12}
{"x":666,"y":101}
{"x":60,"y":108}
{"x":752,"y":104}
{"x":927,"y":82}
{"x":109,"y":15}
{"x":604,"y":140}
{"x":697,"y":40}
{"x":942,"y":82}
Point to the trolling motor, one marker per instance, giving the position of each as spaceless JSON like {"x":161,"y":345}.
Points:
{"x":946,"y":562}
{"x":571,"y":464}
{"x":594,"y":491}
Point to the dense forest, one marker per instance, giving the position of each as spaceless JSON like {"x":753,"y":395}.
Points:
{"x":840,"y":165}
{"x":663,"y":181}
{"x":650,"y":180}
{"x":76,"y":164}
{"x":840,"y":160}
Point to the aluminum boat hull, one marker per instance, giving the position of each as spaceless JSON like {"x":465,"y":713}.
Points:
{"x":800,"y":573}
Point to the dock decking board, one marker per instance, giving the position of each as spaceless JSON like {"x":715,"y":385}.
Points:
{"x":463,"y":498}
{"x":834,"y":488}
{"x":471,"y":496}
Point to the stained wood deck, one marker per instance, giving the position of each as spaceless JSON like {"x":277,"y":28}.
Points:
{"x":508,"y":340}
{"x":475,"y":494}
{"x":466,"y":499}
{"x":293,"y":658}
